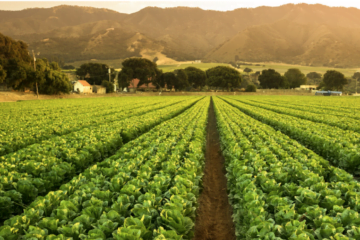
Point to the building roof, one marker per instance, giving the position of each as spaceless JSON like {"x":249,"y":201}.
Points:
{"x":84,"y":83}
{"x":135,"y":82}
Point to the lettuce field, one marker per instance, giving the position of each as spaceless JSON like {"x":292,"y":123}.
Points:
{"x":151,"y":167}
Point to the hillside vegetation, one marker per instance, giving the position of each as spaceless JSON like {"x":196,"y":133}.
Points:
{"x":296,"y":34}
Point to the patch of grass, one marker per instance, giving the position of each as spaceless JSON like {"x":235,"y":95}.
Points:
{"x":202,"y":66}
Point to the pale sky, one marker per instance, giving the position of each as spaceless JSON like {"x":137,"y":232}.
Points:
{"x":136,"y":5}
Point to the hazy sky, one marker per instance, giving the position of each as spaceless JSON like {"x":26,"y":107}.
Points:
{"x":135,"y":5}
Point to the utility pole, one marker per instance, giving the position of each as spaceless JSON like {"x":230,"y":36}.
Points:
{"x":37,"y":90}
{"x":356,"y":85}
{"x":109,"y":71}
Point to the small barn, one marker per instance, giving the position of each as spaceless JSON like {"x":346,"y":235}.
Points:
{"x":82,"y":86}
{"x":99,"y":89}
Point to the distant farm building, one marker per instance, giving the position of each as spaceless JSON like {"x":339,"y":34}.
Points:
{"x":134,"y":86}
{"x":82,"y":86}
{"x":309,"y":87}
{"x":99,"y":89}
{"x":328,"y":93}
{"x":197,"y":61}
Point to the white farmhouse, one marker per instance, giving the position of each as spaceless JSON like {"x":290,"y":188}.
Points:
{"x":82,"y":86}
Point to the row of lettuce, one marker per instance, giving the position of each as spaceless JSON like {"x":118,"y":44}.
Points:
{"x":19,"y":130}
{"x":345,"y":121}
{"x":147,"y":190}
{"x":340,"y":147}
{"x":39,"y":168}
{"x":306,"y":105}
{"x":281,"y":190}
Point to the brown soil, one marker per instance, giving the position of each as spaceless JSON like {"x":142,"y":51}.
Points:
{"x":213,"y":219}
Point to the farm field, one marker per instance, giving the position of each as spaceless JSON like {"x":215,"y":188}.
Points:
{"x":226,"y":167}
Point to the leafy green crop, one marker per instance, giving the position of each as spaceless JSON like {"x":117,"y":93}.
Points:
{"x":278,"y":188}
{"x":40,"y":168}
{"x":147,"y":190}
{"x":340,"y":147}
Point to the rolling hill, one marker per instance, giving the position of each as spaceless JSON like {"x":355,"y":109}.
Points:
{"x":302,"y":34}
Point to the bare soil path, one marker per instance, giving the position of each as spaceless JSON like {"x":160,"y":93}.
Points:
{"x":213,"y":219}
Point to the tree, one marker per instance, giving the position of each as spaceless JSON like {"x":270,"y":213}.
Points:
{"x":11,"y":49}
{"x":177,"y":79}
{"x":295,"y":77}
{"x":108,"y":85}
{"x":19,"y":73}
{"x":50,"y":78}
{"x":155,"y":59}
{"x":196,"y":77}
{"x":140,"y":68}
{"x":170,"y":79}
{"x":57,"y":59}
{"x":15,"y":62}
{"x":334,"y":80}
{"x":2,"y":74}
{"x":250,"y":88}
{"x":272,"y":79}
{"x":224,"y":77}
{"x":255,"y":76}
{"x":181,"y":79}
{"x":68,"y":67}
{"x":248,"y":70}
{"x":313,"y":75}
{"x":356,"y":76}
{"x":124,"y":77}
{"x":158,"y":81}
{"x":95,"y":73}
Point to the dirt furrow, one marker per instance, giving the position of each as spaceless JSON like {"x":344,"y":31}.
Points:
{"x":213,"y":219}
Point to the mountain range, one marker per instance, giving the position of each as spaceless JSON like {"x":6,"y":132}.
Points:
{"x":303,"y":34}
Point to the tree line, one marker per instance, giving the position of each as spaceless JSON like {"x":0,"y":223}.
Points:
{"x":294,"y":78}
{"x":20,"y":71}
{"x":220,"y":77}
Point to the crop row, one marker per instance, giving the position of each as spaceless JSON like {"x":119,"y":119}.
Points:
{"x":17,"y":135}
{"x":336,"y":104}
{"x":281,"y":190}
{"x":26,"y":111}
{"x":342,"y":122}
{"x":42,"y":119}
{"x":325,"y":109}
{"x":338,"y":146}
{"x":147,"y":190}
{"x":40,"y":168}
